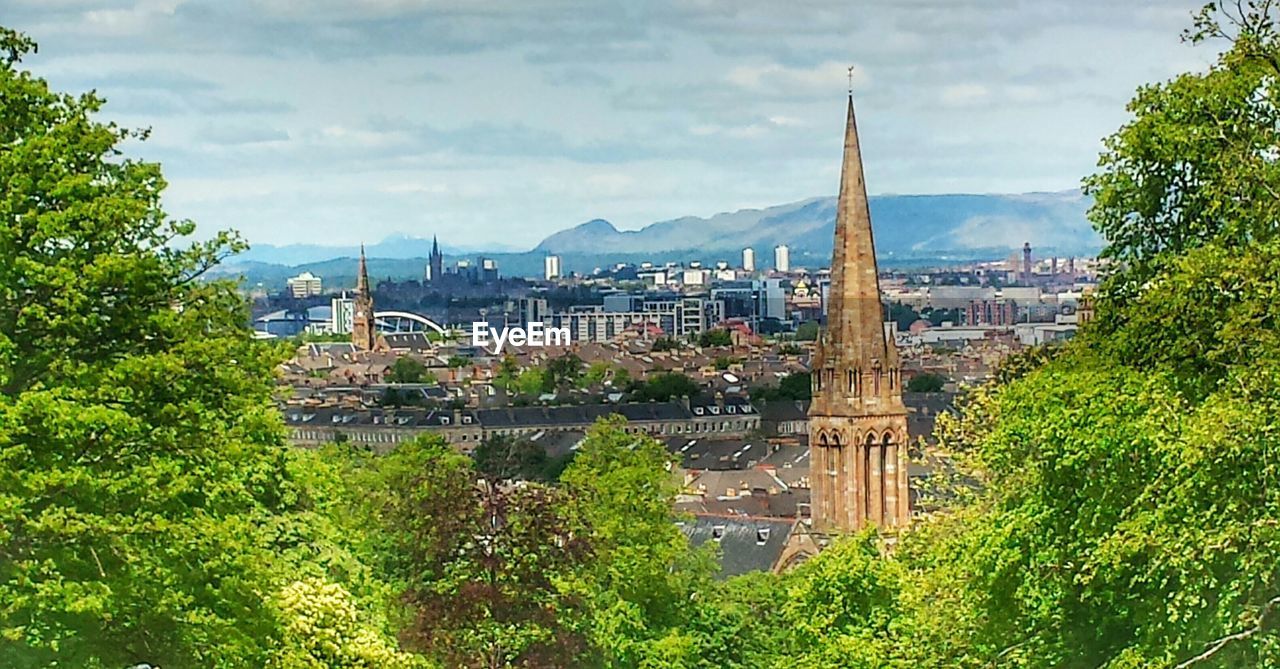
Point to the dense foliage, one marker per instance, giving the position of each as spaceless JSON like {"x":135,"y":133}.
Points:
{"x":409,"y":370}
{"x":661,"y":387}
{"x":926,"y":383}
{"x":715,"y":337}
{"x":149,"y":510}
{"x":792,"y":387}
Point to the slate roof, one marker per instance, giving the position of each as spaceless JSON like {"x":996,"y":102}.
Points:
{"x":782,"y":410}
{"x":579,"y":415}
{"x":413,"y":341}
{"x":343,"y":417}
{"x":558,"y":443}
{"x":923,"y":410}
{"x":336,"y":349}
{"x":699,"y":452}
{"x":783,"y":505}
{"x":728,"y":406}
{"x":746,"y":544}
{"x":737,"y":483}
{"x":789,"y":462}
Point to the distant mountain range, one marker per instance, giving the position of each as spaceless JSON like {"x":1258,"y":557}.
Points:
{"x":905,"y":225}
{"x":908,"y":229}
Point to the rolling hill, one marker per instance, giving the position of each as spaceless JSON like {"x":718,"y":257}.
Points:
{"x":909,"y":229}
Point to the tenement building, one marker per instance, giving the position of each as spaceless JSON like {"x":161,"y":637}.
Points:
{"x":857,"y":421}
{"x":383,"y":429}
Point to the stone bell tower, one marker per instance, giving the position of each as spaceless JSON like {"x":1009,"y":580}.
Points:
{"x":857,"y":422}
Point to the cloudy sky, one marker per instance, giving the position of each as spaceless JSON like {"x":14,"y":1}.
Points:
{"x":496,"y":122}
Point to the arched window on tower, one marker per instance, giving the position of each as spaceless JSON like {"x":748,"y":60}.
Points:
{"x":868,"y":452}
{"x":889,"y":468}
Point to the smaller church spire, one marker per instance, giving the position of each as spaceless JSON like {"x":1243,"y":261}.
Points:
{"x":362,"y":280}
{"x":364,"y":331}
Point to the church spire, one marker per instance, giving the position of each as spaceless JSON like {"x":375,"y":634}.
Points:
{"x":857,"y":422}
{"x":364,"y":331}
{"x":855,"y":326}
{"x":362,"y":279}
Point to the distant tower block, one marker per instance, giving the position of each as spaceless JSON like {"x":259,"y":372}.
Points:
{"x":1071,"y":267}
{"x":1053,"y":266}
{"x":782,"y":258}
{"x":749,"y":260}
{"x":857,"y":421}
{"x":1026,"y":263}
{"x":551,"y":267}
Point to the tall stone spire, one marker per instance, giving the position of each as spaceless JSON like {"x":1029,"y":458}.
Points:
{"x":857,"y":422}
{"x":364,"y":333}
{"x":362,"y":279}
{"x":855,"y":313}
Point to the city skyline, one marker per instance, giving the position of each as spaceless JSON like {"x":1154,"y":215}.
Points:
{"x":352,"y":122}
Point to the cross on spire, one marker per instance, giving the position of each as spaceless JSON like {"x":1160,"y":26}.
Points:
{"x":850,"y":80}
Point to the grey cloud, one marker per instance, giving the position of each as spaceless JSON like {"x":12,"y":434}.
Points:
{"x":156,"y":102}
{"x":423,"y":77}
{"x":142,"y":80}
{"x":242,"y":134}
{"x":513,"y":140}
{"x":577,"y":76}
{"x":609,"y":52}
{"x":215,"y":104}
{"x":144,"y":103}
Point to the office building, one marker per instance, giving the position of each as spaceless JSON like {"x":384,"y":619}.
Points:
{"x":782,"y":258}
{"x":304,"y":285}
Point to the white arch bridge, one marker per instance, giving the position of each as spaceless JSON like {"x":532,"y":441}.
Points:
{"x":403,"y":321}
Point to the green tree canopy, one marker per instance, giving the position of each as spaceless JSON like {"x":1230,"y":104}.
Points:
{"x":1197,"y":163}
{"x":926,"y":383}
{"x":792,"y":387}
{"x":145,"y":495}
{"x":715,"y":337}
{"x":409,"y":370}
{"x":807,"y":331}
{"x":663,"y":386}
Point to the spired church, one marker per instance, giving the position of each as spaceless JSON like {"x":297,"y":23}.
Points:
{"x":857,"y":421}
{"x":364,"y":327}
